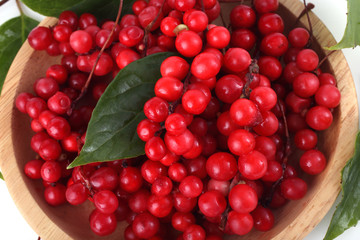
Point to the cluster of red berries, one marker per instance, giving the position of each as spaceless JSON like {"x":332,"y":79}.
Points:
{"x":217,"y":131}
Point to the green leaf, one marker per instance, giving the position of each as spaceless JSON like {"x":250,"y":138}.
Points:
{"x":351,"y":36}
{"x":12,"y":35}
{"x":106,"y":9}
{"x":1,"y":176}
{"x":347,"y":213}
{"x":111,"y":133}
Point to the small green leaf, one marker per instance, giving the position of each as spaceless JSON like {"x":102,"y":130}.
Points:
{"x":12,"y":35}
{"x":1,"y":176}
{"x":347,"y":213}
{"x":106,"y":9}
{"x":351,"y":36}
{"x":111,"y":132}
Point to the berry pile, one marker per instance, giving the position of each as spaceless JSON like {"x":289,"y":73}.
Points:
{"x":220,"y":132}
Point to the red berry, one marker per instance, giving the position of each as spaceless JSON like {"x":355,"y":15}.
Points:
{"x":191,"y":186}
{"x":212,"y":203}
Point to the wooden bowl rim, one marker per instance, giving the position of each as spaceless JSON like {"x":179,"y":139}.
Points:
{"x":47,"y":229}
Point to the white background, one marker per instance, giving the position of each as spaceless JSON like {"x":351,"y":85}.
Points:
{"x":331,"y":12}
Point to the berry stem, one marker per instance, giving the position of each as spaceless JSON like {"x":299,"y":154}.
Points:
{"x":235,"y":181}
{"x":85,"y":181}
{"x":253,"y":69}
{"x":308,"y":17}
{"x":84,"y":89}
{"x":267,"y":199}
{"x":323,"y":60}
{"x":148,"y":28}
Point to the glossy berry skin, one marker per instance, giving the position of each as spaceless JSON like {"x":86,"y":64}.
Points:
{"x":241,"y":142}
{"x":269,"y":124}
{"x":243,"y":112}
{"x":188,"y":43}
{"x":21,"y":101}
{"x":242,"y":16}
{"x":319,"y":118}
{"x":205,"y":66}
{"x":274,"y":172}
{"x":191,"y":186}
{"x":147,"y":15}
{"x":145,"y":225}
{"x":182,"y":203}
{"x":51,"y":171}
{"x":263,"y":218}
{"x":270,"y":23}
{"x":266,"y":6}
{"x":131,"y":35}
{"x":138,"y":201}
{"x":34,"y":106}
{"x":229,"y":88}
{"x":102,"y":224}
{"x":270,"y":67}
{"x":70,"y":19}
{"x":328,"y":96}
{"x":151,"y":170}
{"x":194,"y":232}
{"x":126,"y":57}
{"x":181,"y":221}
{"x":58,"y":128}
{"x":155,"y":148}
{"x":177,"y":172}
{"x":105,"y":201}
{"x":264,"y":97}
{"x":160,"y":206}
{"x":45,"y":87}
{"x":225,"y":125}
{"x":243,"y":38}
{"x":168,"y":88}
{"x":104,"y":178}
{"x":87,"y":19}
{"x":130,"y":179}
{"x":313,"y":162}
{"x":57,"y":72}
{"x":76,"y":194}
{"x":305,"y":139}
{"x":156,"y":109}
{"x":55,"y":195}
{"x":293,"y":188}
{"x":274,"y":44}
{"x":299,"y":37}
{"x":174,"y":66}
{"x":40,"y":38}
{"x":237,"y":59}
{"x":307,"y":60}
{"x":194,"y":101}
{"x":59,"y":103}
{"x":81,"y":41}
{"x":175,"y":124}
{"x":179,"y":144}
{"x":49,"y":149}
{"x":168,"y":24}
{"x":218,"y":37}
{"x":162,"y":186}
{"x":306,"y":84}
{"x":212,"y":203}
{"x":32,"y":168}
{"x":252,"y":165}
{"x":240,"y":223}
{"x":243,"y":198}
{"x":221,"y":166}
{"x":146,"y":129}
{"x":197,"y":21}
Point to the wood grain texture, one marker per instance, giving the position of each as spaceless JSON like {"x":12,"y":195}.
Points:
{"x":293,"y":221}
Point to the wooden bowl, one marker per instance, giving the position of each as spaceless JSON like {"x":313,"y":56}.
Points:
{"x":294,"y":221}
